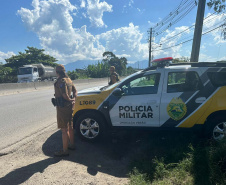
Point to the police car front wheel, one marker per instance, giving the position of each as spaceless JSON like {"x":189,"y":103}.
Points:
{"x":90,"y":127}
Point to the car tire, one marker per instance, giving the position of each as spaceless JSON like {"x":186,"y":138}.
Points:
{"x":90,"y":127}
{"x":216,"y":129}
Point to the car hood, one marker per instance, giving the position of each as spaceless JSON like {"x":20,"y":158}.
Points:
{"x":93,"y":90}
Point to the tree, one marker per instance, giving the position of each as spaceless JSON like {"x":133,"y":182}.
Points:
{"x":101,"y":69}
{"x":73,"y":75}
{"x":119,"y":63}
{"x":31,"y":56}
{"x":98,"y":70}
{"x":181,"y":60}
{"x":217,"y":5}
{"x":6,"y":75}
{"x":130,"y":70}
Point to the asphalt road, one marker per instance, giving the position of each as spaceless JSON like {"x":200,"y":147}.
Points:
{"x":25,"y":114}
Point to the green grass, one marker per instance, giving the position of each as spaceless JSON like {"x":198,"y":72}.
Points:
{"x":178,"y":158}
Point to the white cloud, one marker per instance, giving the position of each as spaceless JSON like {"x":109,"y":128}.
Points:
{"x":222,"y":58}
{"x":95,"y":10}
{"x":212,"y":22}
{"x":214,"y":37}
{"x":131,"y":2}
{"x":206,"y":58}
{"x":52,"y":22}
{"x":83,"y":4}
{"x":170,"y":41}
{"x":4,"y":56}
{"x":129,"y":5}
{"x":125,"y":41}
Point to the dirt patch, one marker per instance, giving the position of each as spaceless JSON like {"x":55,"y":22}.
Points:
{"x":91,"y":163}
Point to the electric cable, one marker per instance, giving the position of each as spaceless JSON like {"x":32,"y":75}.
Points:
{"x":187,"y":40}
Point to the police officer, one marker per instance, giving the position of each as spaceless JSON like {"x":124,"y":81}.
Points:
{"x":113,"y":76}
{"x":64,"y":105}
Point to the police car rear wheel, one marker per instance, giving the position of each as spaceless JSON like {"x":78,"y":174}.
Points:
{"x":90,"y":127}
{"x":219,"y":131}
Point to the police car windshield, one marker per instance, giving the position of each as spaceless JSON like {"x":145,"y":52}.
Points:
{"x":117,"y":83}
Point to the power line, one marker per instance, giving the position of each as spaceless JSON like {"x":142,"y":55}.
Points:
{"x":176,"y":21}
{"x":190,"y":28}
{"x":185,"y":10}
{"x":173,"y":14}
{"x":212,"y":29}
{"x":204,"y":30}
{"x":188,"y":40}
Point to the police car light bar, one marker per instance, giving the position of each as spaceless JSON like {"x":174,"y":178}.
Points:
{"x":163,"y":59}
{"x":162,"y":62}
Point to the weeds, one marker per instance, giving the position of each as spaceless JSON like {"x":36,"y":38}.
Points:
{"x":179,"y":159}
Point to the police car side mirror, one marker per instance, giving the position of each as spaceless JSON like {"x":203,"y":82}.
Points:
{"x":117,"y":92}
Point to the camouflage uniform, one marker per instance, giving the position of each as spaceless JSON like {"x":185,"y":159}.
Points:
{"x":64,"y":114}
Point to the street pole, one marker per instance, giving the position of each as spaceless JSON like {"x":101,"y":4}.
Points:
{"x":150,"y":40}
{"x":198,"y":31}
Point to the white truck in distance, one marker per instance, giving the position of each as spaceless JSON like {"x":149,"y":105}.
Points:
{"x":36,"y":72}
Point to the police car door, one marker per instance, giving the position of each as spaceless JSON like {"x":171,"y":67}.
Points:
{"x":139,"y":103}
{"x":180,"y":96}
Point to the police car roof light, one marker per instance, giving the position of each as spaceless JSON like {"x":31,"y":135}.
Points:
{"x":162,"y":59}
{"x":160,"y":62}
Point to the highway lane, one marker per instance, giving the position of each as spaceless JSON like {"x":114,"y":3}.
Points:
{"x":24,"y":114}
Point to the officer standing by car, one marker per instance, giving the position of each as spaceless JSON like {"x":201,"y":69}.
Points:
{"x":114,"y":77}
{"x":64,"y":103}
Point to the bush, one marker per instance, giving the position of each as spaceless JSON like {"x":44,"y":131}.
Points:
{"x":179,"y":159}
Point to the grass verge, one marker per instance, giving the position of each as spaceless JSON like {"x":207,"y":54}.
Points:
{"x":178,"y":158}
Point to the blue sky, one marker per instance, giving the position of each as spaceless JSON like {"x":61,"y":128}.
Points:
{"x":72,"y":30}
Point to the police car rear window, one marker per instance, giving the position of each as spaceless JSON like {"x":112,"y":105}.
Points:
{"x":218,"y":79}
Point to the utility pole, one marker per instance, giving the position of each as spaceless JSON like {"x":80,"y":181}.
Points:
{"x":150,"y":49}
{"x":198,"y":31}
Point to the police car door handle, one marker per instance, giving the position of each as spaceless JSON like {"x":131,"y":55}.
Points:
{"x":200,"y":99}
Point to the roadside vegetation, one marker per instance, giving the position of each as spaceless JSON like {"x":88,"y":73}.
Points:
{"x":101,"y":69}
{"x":8,"y":71}
{"x":178,"y":159}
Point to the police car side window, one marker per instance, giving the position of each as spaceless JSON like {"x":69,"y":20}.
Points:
{"x":183,"y":82}
{"x":218,"y":79}
{"x":142,"y":85}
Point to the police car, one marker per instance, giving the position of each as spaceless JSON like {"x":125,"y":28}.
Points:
{"x":165,"y":96}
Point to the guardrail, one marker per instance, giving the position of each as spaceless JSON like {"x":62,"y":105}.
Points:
{"x":12,"y":88}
